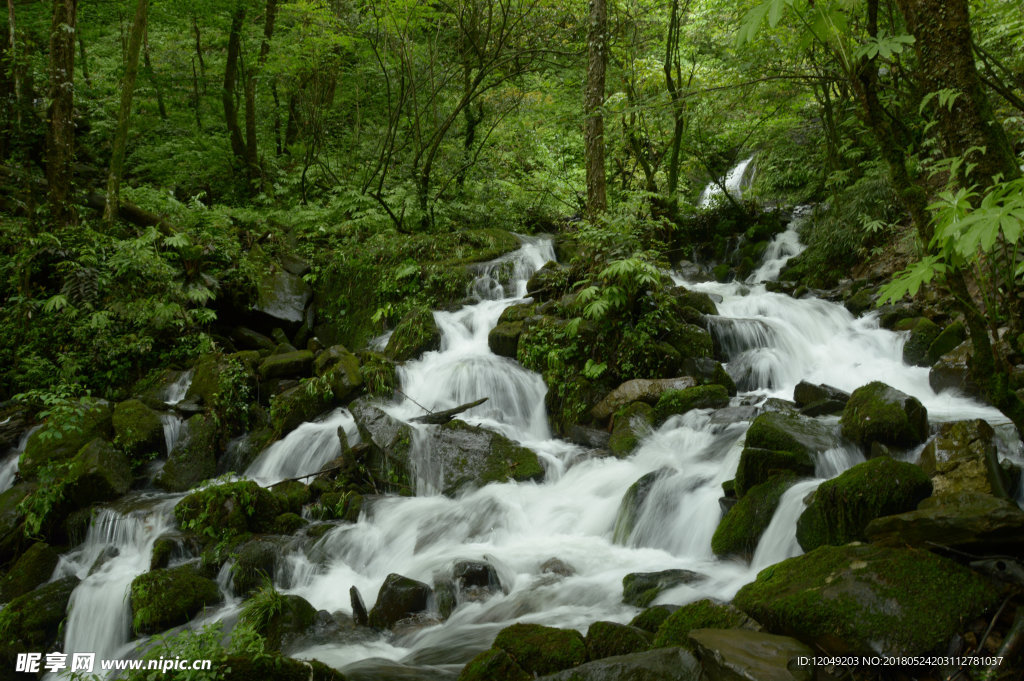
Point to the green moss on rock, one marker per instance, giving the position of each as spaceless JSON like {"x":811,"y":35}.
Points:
{"x":703,"y":614}
{"x":292,"y":364}
{"x":877,"y":412}
{"x":276,"y":667}
{"x":33,"y":568}
{"x":415,"y":334}
{"x":674,"y":402}
{"x":196,"y":459}
{"x":740,"y":530}
{"x":629,"y":424}
{"x":923,"y":333}
{"x":217,"y":513}
{"x":870,"y":600}
{"x":842,"y":507}
{"x":493,"y":665}
{"x":138,"y":429}
{"x":65,"y":433}
{"x":607,"y":639}
{"x":947,"y":341}
{"x":295,"y":406}
{"x":31,"y":622}
{"x":540,"y":650}
{"x":759,"y":465}
{"x":99,"y":472}
{"x":650,"y":619}
{"x":165,"y":598}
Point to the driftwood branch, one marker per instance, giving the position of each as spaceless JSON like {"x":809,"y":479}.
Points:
{"x":439,"y":418}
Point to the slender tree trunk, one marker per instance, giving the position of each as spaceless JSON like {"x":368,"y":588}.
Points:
{"x":199,"y":51}
{"x":945,"y":55}
{"x":152,"y":76}
{"x":230,"y":80}
{"x":85,"y":62}
{"x":60,"y":133}
{"x":131,"y":70}
{"x":196,"y":99}
{"x":15,"y":75}
{"x":593,"y":99}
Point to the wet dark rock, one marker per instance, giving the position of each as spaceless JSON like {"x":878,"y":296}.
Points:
{"x":193,"y":460}
{"x":256,"y":563}
{"x":629,"y":425}
{"x":31,"y":622}
{"x":972,"y":522}
{"x":758,"y":466}
{"x":953,"y":371}
{"x":675,"y":628}
{"x":923,"y":333}
{"x":879,"y":413}
{"x":632,"y":504}
{"x":281,"y":298}
{"x":540,"y":650}
{"x":32,"y":568}
{"x":493,"y":665}
{"x":138,"y":429}
{"x":607,"y":639}
{"x":738,"y":655}
{"x":594,"y":438}
{"x":359,"y":614}
{"x":291,"y":622}
{"x":673,"y":402}
{"x":867,"y":600}
{"x":278,"y":668}
{"x":651,"y":618}
{"x":640,"y":588}
{"x":293,"y":364}
{"x":63,"y":436}
{"x":842,"y":507}
{"x":741,"y":528}
{"x":465,"y":455}
{"x":12,"y":535}
{"x":415,"y":334}
{"x":808,"y":393}
{"x":245,"y":338}
{"x":400,"y":597}
{"x":390,"y":440}
{"x":475,"y":576}
{"x":548,"y":283}
{"x":446,"y":597}
{"x":503,"y":339}
{"x":556,"y":566}
{"x":947,"y":341}
{"x":99,"y":472}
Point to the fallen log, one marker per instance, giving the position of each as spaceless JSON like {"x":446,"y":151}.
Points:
{"x":439,"y":418}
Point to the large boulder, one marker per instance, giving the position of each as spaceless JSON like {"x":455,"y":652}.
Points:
{"x":293,"y":407}
{"x":220,"y":382}
{"x":674,"y":402}
{"x":703,"y":614}
{"x":640,"y":588}
{"x":99,"y":472}
{"x":138,"y":429}
{"x":290,"y":620}
{"x":65,"y":433}
{"x":223,"y":511}
{"x":952,"y":371}
{"x":549,"y":282}
{"x":758,"y":466}
{"x":647,"y":390}
{"x":399,"y":598}
{"x":340,"y":368}
{"x":276,"y":667}
{"x":168,"y":597}
{"x":947,"y":341}
{"x":786,"y":432}
{"x":256,"y":562}
{"x":462,"y":455}
{"x":293,"y":364}
{"x":12,"y":520}
{"x":878,"y":413}
{"x":493,"y":665}
{"x":415,"y":334}
{"x":629,"y":424}
{"x":820,"y":399}
{"x":281,"y":299}
{"x":390,"y":443}
{"x":195,"y":459}
{"x":868,"y":600}
{"x":503,"y":339}
{"x":607,"y":639}
{"x":975,"y":523}
{"x":842,"y":507}
{"x":962,"y":457}
{"x":31,"y":622}
{"x":540,"y":650}
{"x":737,"y":655}
{"x":632,"y":504}
{"x":32,"y":568}
{"x":741,"y":528}
{"x":923,"y":333}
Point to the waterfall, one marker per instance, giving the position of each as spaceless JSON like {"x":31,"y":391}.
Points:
{"x":117,"y":548}
{"x":176,"y":391}
{"x":305,"y":450}
{"x":9,"y":466}
{"x":735,"y":181}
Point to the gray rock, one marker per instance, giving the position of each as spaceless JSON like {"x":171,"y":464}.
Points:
{"x":808,"y":393}
{"x":652,"y":665}
{"x":740,"y":655}
{"x":963,"y":457}
{"x":638,"y":390}
{"x":953,"y":372}
{"x":877,"y":412}
{"x":282,"y":297}
{"x":640,"y":588}
{"x":400,"y":597}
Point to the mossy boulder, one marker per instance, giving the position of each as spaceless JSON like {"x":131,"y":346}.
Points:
{"x":976,"y":523}
{"x":168,"y":597}
{"x":630,"y":424}
{"x":276,"y":667}
{"x":31,"y":622}
{"x":738,"y":654}
{"x":923,"y":333}
{"x":227,"y":510}
{"x":503,"y":339}
{"x":703,"y":614}
{"x":415,"y":334}
{"x":65,"y":433}
{"x":281,"y":298}
{"x":674,"y":402}
{"x":99,"y":472}
{"x":32,"y":568}
{"x":879,"y":413}
{"x":297,"y":405}
{"x":787,"y":432}
{"x":607,"y":639}
{"x":493,"y":665}
{"x":549,"y":282}
{"x":138,"y":429}
{"x":842,"y":507}
{"x":699,"y":301}
{"x":540,"y":650}
{"x":741,"y":528}
{"x":463,"y":455}
{"x":341,"y":369}
{"x":758,"y":466}
{"x":195,"y":459}
{"x":216,"y":378}
{"x":255,"y":563}
{"x":651,"y":618}
{"x":399,"y":597}
{"x":647,"y":390}
{"x":291,"y":620}
{"x":962,"y":457}
{"x":390,"y":440}
{"x":947,"y":341}
{"x":641,"y":588}
{"x":12,"y":535}
{"x":952,"y":371}
{"x":868,"y":600}
{"x":292,"y":364}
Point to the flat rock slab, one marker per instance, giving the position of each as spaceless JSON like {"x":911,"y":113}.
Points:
{"x":664,"y":664}
{"x":740,"y":655}
{"x":639,"y":390}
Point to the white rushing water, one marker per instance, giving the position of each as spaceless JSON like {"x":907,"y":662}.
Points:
{"x":117,"y":548}
{"x":772,"y":342}
{"x":735,"y":182}
{"x":9,"y":466}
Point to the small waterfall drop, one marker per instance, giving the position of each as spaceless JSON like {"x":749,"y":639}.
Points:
{"x":9,"y":466}
{"x":117,"y":548}
{"x":735,"y":181}
{"x":176,"y":391}
{"x":779,"y":539}
{"x":305,"y":450}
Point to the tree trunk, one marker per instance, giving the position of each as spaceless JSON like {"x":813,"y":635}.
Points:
{"x":131,"y":70}
{"x":945,"y":55}
{"x":593,"y":99}
{"x":152,"y":76}
{"x":230,"y":79}
{"x":60,"y":133}
{"x":81,"y":57}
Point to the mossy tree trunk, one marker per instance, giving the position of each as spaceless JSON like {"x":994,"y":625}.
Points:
{"x":593,"y":99}
{"x":60,"y":133}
